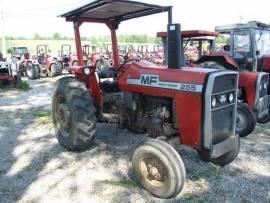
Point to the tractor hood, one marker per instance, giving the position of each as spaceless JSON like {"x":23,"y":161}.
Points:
{"x":148,"y":74}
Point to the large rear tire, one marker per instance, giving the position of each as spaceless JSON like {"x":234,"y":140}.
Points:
{"x":222,"y":160}
{"x":53,"y":71}
{"x":245,"y":120}
{"x":17,"y":80}
{"x":159,"y":168}
{"x":212,"y":65}
{"x":264,"y":120}
{"x":32,"y":71}
{"x":73,"y":113}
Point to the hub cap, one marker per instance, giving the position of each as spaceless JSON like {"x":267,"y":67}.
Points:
{"x":153,"y":171}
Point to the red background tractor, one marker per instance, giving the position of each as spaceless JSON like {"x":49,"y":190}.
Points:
{"x":253,"y":95}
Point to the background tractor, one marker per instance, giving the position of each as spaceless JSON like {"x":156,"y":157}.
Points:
{"x":19,"y":56}
{"x":253,"y":96}
{"x":246,"y":49}
{"x":9,"y":73}
{"x":168,"y":103}
{"x":49,"y":65}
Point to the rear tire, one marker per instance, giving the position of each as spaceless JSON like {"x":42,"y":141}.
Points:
{"x":212,"y":65}
{"x":17,"y":80}
{"x":53,"y":71}
{"x":73,"y":113}
{"x":245,"y":120}
{"x":264,"y":120}
{"x":32,"y":71}
{"x":222,"y":160}
{"x":159,"y":168}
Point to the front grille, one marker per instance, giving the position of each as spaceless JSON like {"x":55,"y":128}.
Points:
{"x":263,"y":85}
{"x":262,"y":107}
{"x":220,"y":107}
{"x":262,"y":98}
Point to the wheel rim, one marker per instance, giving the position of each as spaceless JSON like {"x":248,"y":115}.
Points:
{"x":154,"y":171}
{"x":241,"y":121}
{"x":63,"y":118}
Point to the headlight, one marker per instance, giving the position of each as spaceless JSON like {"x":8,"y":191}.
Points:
{"x":86,"y":71}
{"x":214,"y":102}
{"x":231,"y":97}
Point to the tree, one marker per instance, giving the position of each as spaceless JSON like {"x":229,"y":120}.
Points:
{"x":57,"y":36}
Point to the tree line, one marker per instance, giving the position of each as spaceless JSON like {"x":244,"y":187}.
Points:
{"x":94,"y":39}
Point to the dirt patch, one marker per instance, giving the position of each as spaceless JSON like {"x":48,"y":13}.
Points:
{"x":34,"y":167}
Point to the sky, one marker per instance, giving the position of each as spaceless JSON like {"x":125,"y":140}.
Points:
{"x":24,"y":18}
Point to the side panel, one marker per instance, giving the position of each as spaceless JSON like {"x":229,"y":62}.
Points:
{"x":188,"y":114}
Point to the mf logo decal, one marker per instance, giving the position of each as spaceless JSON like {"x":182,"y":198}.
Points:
{"x":149,"y":79}
{"x":153,"y":81}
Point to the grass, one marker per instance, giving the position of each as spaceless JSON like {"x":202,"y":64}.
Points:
{"x":24,"y":86}
{"x":101,"y":186}
{"x":128,"y":184}
{"x":2,"y":171}
{"x":43,"y":81}
{"x":42,"y":117}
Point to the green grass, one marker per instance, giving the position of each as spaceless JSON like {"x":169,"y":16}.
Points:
{"x":2,"y":171}
{"x":43,"y":81}
{"x":42,"y":117}
{"x":24,"y":86}
{"x":122,"y":184}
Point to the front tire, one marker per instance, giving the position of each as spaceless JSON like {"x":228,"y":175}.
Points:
{"x":159,"y":168}
{"x":245,"y":120}
{"x":73,"y":113}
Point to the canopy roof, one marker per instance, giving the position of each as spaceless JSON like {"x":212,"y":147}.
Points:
{"x":192,"y":33}
{"x":238,"y":26}
{"x":113,"y":10}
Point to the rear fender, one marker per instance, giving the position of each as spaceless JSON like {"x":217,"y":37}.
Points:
{"x":91,"y":82}
{"x":222,"y":59}
{"x":248,"y":82}
{"x":266,"y":64}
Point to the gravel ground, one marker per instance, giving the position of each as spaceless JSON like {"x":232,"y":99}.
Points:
{"x":34,"y":168}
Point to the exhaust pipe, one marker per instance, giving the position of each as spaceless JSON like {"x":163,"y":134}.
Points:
{"x":175,"y":50}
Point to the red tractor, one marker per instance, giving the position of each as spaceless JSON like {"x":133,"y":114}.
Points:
{"x":166,"y":102}
{"x":253,"y":96}
{"x":48,"y":65}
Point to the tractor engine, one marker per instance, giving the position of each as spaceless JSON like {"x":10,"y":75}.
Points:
{"x":143,"y":114}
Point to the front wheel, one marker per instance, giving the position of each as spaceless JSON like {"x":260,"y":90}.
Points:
{"x":159,"y":168}
{"x":245,"y":120}
{"x":73,"y":113}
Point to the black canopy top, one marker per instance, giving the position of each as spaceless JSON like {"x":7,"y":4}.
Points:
{"x":113,"y":10}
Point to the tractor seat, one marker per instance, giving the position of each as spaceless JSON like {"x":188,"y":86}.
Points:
{"x":106,"y":72}
{"x":109,"y":86}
